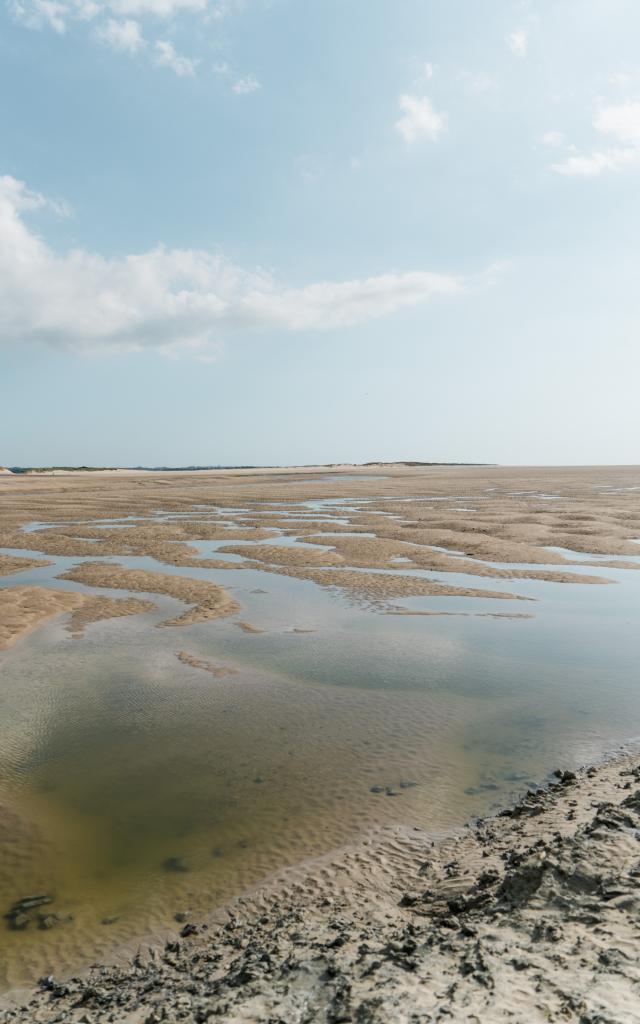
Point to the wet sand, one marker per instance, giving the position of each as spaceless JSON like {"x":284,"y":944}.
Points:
{"x":376,"y":588}
{"x":98,"y":609}
{"x":531,"y":915}
{"x":233,"y":776}
{"x":23,"y":609}
{"x":497,"y":523}
{"x":217,"y":671}
{"x":10,"y":565}
{"x":208,"y":600}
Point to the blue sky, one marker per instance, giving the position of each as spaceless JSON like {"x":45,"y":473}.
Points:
{"x":289,"y":231}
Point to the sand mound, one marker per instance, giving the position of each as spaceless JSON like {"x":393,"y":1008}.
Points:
{"x":13,"y":563}
{"x":24,"y":608}
{"x":209,"y":600}
{"x":97,"y":609}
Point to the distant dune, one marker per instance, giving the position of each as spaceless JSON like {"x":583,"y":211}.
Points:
{"x":312,"y":468}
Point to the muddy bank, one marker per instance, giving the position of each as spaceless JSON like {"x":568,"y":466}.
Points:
{"x":531,"y":915}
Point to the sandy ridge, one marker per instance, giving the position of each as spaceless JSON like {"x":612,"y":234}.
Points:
{"x":377,"y":587}
{"x":209,"y":600}
{"x":24,"y":608}
{"x":10,"y":564}
{"x":97,"y":609}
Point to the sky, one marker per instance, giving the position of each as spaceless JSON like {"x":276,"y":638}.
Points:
{"x":274,"y":232}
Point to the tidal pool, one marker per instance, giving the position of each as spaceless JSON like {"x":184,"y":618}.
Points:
{"x":134,"y":786}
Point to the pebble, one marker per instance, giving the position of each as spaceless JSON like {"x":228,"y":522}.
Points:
{"x":175,"y":864}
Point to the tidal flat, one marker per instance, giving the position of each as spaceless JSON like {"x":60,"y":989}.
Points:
{"x":416,"y":648}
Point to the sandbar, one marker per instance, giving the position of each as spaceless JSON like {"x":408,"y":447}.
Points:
{"x":209,"y":601}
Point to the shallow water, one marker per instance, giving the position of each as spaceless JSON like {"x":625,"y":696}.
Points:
{"x":115,"y":756}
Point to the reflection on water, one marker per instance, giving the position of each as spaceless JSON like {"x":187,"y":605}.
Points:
{"x":133,"y":786}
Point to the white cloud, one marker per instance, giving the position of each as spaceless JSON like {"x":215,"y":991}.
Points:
{"x":620,"y":78}
{"x":16,"y":195}
{"x":121,"y":35}
{"x":119,"y":28}
{"x":518,"y":42}
{"x":224,"y":8}
{"x":331,"y":304}
{"x":246,"y":85}
{"x":552,"y":139}
{"x":171,"y":300}
{"x":621,"y":120}
{"x":621,"y":123}
{"x":158,"y":8}
{"x":57,"y":14}
{"x":130,"y":26}
{"x":479,"y":81}
{"x":22,"y":199}
{"x":37,"y":14}
{"x":310,"y":167}
{"x":593,"y":164}
{"x":166,"y":56}
{"x":241,"y":86}
{"x":419,"y":119}
{"x":87,"y":10}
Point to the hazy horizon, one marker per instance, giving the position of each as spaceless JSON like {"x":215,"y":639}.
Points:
{"x":408,"y":463}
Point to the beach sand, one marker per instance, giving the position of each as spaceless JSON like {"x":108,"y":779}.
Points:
{"x":478,"y":520}
{"x":97,"y":609}
{"x":528,"y":916}
{"x":10,"y":564}
{"x":208,"y":600}
{"x":23,"y":609}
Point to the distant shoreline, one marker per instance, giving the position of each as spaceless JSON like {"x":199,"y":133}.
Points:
{"x":334,"y":466}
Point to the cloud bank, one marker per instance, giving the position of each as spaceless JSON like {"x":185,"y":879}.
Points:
{"x":171,"y":300}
